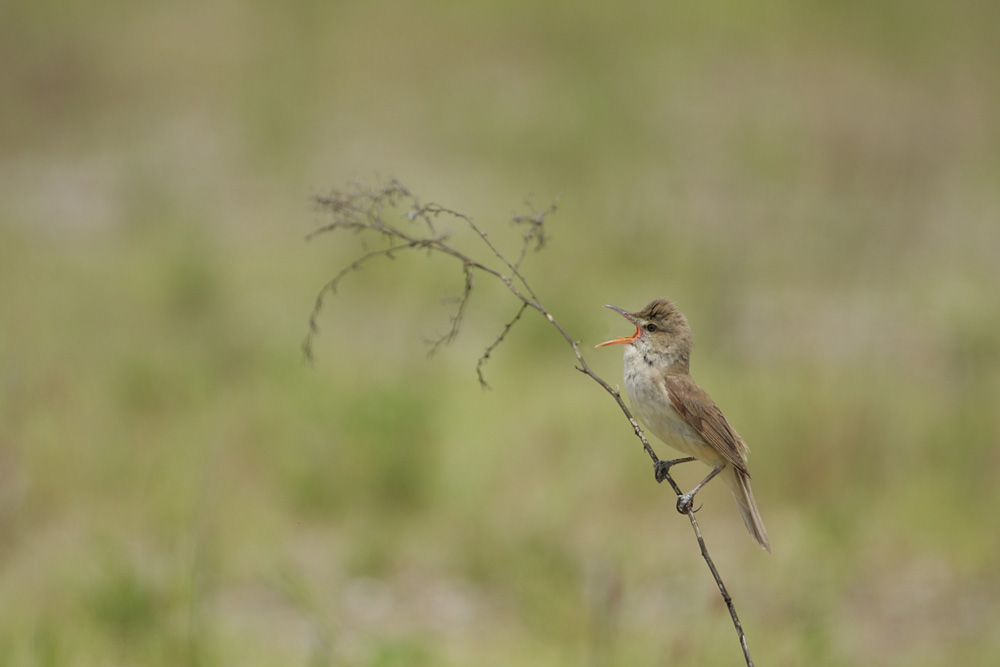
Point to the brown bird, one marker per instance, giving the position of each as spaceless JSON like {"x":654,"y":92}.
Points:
{"x":672,"y":406}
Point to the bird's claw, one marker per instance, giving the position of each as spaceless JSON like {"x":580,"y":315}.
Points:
{"x":662,"y":468}
{"x":685,"y":504}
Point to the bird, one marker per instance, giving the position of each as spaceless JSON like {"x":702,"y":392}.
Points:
{"x":672,"y":406}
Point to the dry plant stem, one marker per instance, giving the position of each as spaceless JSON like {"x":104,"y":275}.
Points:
{"x":364,"y":210}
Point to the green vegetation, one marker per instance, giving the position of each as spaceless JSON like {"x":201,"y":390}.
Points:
{"x":814,"y":185}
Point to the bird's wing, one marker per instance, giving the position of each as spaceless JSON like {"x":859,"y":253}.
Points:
{"x":697,"y":407}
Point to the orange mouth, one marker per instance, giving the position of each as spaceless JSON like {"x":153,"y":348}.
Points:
{"x":621,"y":341}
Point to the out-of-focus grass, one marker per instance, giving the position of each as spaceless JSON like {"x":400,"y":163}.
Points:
{"x":815,"y":186}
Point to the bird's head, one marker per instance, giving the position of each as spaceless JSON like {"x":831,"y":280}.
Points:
{"x":662,"y":334}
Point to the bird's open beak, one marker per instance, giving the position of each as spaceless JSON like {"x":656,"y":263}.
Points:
{"x":621,"y":341}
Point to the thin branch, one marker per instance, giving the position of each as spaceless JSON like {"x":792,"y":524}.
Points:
{"x":367,"y":210}
{"x":456,"y":319}
{"x":722,"y":588}
{"x":331,"y":288}
{"x":536,"y":228}
{"x":492,"y":346}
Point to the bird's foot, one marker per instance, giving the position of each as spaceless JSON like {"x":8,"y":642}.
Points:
{"x":662,"y":468}
{"x":685,"y":504}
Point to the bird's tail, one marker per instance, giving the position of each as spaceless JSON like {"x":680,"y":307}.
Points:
{"x":739,"y":482}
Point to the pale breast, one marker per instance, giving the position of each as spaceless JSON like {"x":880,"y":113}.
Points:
{"x":653,"y":408}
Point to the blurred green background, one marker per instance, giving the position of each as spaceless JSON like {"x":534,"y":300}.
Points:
{"x":815,"y":185}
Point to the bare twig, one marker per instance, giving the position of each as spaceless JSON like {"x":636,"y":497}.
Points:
{"x":364,"y":210}
{"x":536,"y":229}
{"x":456,"y":319}
{"x":492,"y":346}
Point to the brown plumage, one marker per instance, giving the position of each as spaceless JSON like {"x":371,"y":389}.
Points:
{"x":672,"y":406}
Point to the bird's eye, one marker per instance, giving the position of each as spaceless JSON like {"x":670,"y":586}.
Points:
{"x":651,"y":327}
